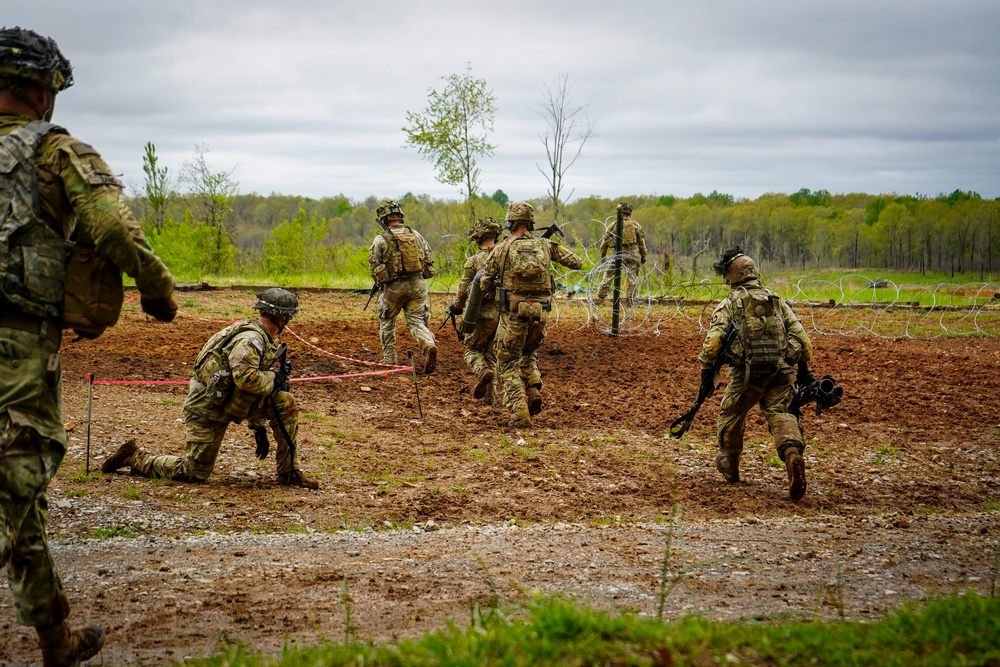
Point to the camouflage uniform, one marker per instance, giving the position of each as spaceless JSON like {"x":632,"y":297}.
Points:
{"x":522,"y":324}
{"x":77,"y":190}
{"x":479,"y":350}
{"x":633,"y":256}
{"x":251,"y":353}
{"x":406,"y":293}
{"x":772,"y":388}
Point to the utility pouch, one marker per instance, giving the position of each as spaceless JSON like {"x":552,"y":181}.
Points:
{"x":503,"y":303}
{"x":93,"y":294}
{"x":380,"y":275}
{"x":531,"y":310}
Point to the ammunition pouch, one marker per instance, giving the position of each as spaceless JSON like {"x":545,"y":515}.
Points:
{"x":380,"y":275}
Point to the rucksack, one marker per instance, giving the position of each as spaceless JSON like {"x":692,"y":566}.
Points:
{"x":527,"y":267}
{"x":762,"y":336}
{"x":629,"y":236}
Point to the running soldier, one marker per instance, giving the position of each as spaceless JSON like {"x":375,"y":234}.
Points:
{"x":633,"y":252}
{"x":479,"y":354}
{"x":399,"y":262}
{"x":518,"y":269}
{"x":769,"y":342}
{"x":57,"y":192}
{"x":232,"y":381}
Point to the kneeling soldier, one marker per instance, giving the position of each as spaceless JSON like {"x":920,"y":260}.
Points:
{"x":232,"y":382}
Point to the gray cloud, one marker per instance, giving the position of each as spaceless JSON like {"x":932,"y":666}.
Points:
{"x":741,"y":97}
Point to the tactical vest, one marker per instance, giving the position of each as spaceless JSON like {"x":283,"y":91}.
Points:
{"x":211,"y":367}
{"x":526,"y":265}
{"x":406,"y":256}
{"x":762,"y":339}
{"x":33,"y":251}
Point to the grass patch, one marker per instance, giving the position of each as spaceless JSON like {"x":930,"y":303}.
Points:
{"x":774,"y":462}
{"x":84,"y":477}
{"x":947,"y":631}
{"x":110,"y":531}
{"x":76,"y":493}
{"x":991,"y":505}
{"x":132,"y":492}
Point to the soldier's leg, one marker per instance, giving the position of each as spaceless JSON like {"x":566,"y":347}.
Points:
{"x":632,"y":276}
{"x":609,"y":275}
{"x":530,"y":375}
{"x":204,"y":439}
{"x":786,"y":432}
{"x":389,"y":307}
{"x":736,"y":403}
{"x":286,"y":409}
{"x":27,"y":464}
{"x":417,"y":311}
{"x":509,"y":346}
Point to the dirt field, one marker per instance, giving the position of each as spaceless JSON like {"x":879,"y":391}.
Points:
{"x":419,"y":519}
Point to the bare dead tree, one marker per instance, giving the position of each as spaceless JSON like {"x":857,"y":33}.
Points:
{"x":565,"y":129}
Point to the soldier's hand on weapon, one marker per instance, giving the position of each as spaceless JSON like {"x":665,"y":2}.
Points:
{"x":164,"y":309}
{"x":707,"y":381}
{"x":281,"y":380}
{"x":263,"y":444}
{"x":454,"y":310}
{"x":804,"y":376}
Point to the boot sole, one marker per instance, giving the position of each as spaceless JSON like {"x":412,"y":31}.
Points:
{"x":797,"y":478}
{"x":431,"y":362}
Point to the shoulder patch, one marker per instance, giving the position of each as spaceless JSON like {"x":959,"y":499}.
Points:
{"x":83,"y":149}
{"x":258,"y":344}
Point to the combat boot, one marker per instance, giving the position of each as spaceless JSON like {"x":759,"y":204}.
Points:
{"x":123,"y":457}
{"x":296,"y":478}
{"x":730,"y":468}
{"x":430,"y":360}
{"x":63,"y":647}
{"x":484,"y":385}
{"x":795,"y":466}
{"x":519,"y":421}
{"x":534,"y":401}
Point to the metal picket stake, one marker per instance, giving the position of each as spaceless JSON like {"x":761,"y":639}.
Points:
{"x":90,"y":404}
{"x":416,"y":385}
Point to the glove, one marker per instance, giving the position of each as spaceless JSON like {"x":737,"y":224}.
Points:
{"x":163,"y":309}
{"x":707,"y":382}
{"x":263,"y":444}
{"x":281,"y":380}
{"x":804,"y":375}
{"x":454,"y":310}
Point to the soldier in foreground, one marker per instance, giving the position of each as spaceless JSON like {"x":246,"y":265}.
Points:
{"x":57,"y":189}
{"x":518,"y":268}
{"x":232,"y":381}
{"x":399,"y":262}
{"x":633,"y":252}
{"x":479,"y":354}
{"x":768,"y":343}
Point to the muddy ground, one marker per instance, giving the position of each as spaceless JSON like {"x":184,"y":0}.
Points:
{"x":418,"y":519}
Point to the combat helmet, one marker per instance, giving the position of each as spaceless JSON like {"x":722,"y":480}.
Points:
{"x":624,"y":208}
{"x":520,"y":212}
{"x":27,"y":56}
{"x":385,"y":208}
{"x":736,"y":267}
{"x":277,"y":302}
{"x":484,"y":227}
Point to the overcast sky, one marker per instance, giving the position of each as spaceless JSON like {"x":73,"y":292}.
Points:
{"x":744,"y":97}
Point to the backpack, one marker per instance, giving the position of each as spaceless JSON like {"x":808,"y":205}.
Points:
{"x":527,"y":267}
{"x":629,"y":237}
{"x":762,"y":337}
{"x":407,"y":257}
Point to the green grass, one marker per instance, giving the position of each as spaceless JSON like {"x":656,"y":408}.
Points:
{"x":131,"y":492}
{"x":959,"y":630}
{"x":991,"y":505}
{"x":110,"y":531}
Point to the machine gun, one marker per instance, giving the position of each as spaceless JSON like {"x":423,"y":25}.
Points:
{"x":826,"y":392}
{"x":285,"y":366}
{"x":680,"y":425}
{"x":452,"y":314}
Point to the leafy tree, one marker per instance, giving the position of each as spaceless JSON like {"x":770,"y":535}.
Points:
{"x":453,"y":131}
{"x":501,"y":198}
{"x":215,"y":192}
{"x":563,"y":129}
{"x":158,"y":191}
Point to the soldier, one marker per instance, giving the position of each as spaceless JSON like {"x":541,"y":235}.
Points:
{"x":518,"y":268}
{"x":633,"y":252}
{"x":769,"y":343}
{"x":56,"y":189}
{"x":232,"y":381}
{"x":479,"y":354}
{"x":399,"y":262}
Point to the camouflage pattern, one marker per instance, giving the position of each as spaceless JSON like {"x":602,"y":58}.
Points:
{"x":478,"y":345}
{"x":633,"y":257}
{"x":521,"y":330}
{"x":406,"y":294}
{"x":521,"y":211}
{"x":76,"y":188}
{"x":251,"y":354}
{"x":741,"y":270}
{"x":772,"y":390}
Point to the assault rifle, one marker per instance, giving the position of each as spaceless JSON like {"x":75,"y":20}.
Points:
{"x":826,"y":392}
{"x":371,"y":293}
{"x":680,"y":425}
{"x":552,"y":229}
{"x":285,"y":366}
